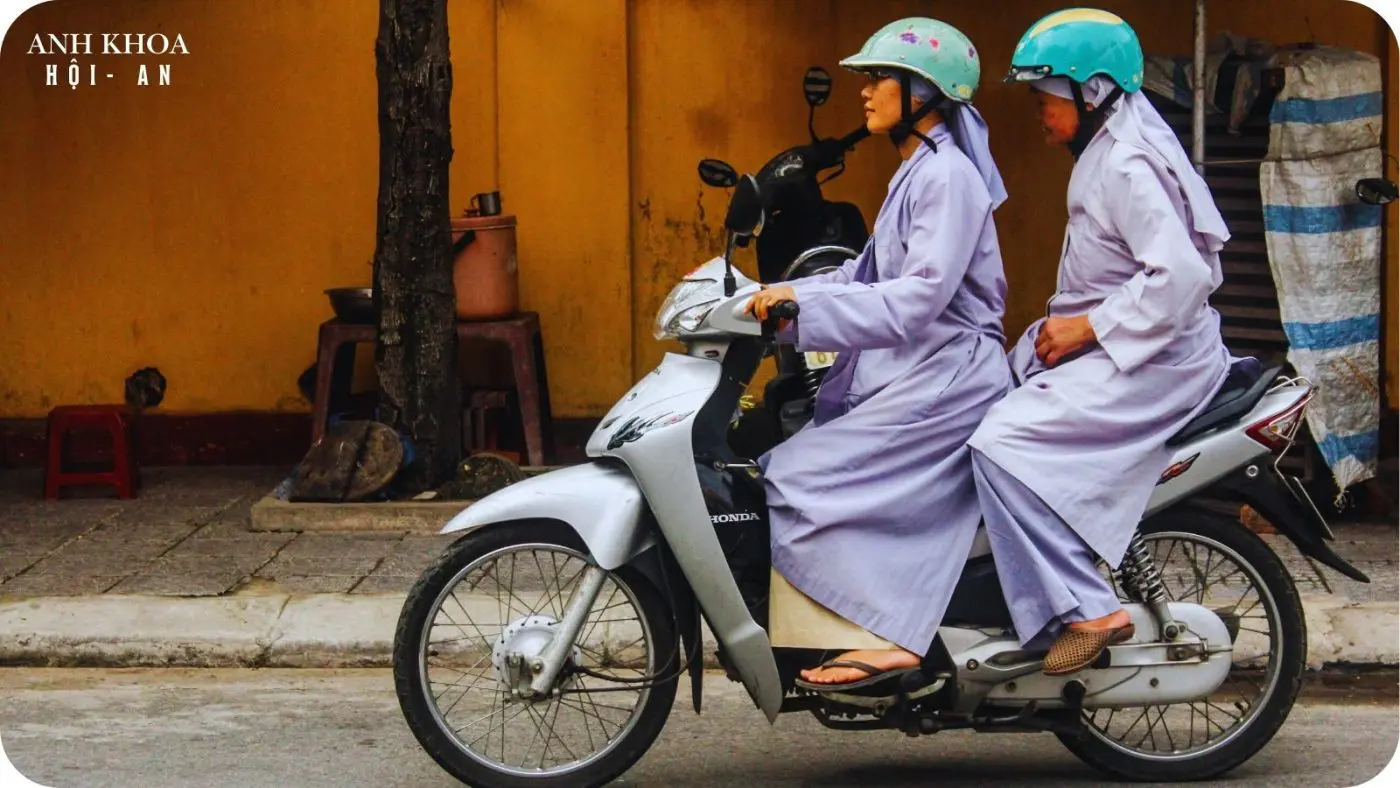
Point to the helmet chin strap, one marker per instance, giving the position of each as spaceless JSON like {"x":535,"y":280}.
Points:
{"x":900,"y":131}
{"x":1090,"y":120}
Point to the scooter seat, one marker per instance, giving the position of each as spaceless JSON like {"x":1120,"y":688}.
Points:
{"x":1246,"y":384}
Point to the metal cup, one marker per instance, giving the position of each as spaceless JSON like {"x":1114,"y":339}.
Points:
{"x":485,"y":204}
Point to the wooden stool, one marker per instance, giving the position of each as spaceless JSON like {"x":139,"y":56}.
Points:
{"x":478,"y":432}
{"x":521,"y":333}
{"x":116,"y":421}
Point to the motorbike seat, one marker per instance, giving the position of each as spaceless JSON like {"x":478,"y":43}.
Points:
{"x":1247,"y":383}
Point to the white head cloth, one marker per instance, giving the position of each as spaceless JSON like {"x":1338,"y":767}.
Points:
{"x":1134,"y":120}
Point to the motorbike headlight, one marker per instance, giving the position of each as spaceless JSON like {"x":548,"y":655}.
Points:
{"x":686,"y":307}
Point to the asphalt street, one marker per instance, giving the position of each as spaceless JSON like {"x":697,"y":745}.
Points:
{"x":246,"y":728}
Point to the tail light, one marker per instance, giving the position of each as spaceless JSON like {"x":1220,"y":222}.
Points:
{"x":1276,"y":433}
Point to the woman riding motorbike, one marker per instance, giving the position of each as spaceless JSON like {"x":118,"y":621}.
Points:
{"x":873,"y":503}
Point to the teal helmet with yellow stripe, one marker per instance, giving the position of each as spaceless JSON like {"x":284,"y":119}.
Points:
{"x":1079,"y":43}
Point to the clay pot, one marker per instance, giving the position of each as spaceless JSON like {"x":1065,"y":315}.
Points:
{"x":484,"y":270}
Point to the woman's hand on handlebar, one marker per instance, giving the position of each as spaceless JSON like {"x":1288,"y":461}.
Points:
{"x":767,"y":298}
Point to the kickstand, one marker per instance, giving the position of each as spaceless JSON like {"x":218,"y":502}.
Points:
{"x":1074,"y":693}
{"x":1022,"y":717}
{"x":1027,"y":713}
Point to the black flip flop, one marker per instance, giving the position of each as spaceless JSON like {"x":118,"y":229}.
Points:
{"x":877,"y":676}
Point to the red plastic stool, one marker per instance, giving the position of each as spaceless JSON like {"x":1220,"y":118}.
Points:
{"x":116,"y":421}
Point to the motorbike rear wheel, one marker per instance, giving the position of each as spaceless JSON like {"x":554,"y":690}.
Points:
{"x":1254,"y":700}
{"x":612,"y":712}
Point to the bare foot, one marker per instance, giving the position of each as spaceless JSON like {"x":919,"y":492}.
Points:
{"x":1115,"y":620}
{"x":886,"y":659}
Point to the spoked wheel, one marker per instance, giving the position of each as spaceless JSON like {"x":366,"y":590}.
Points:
{"x":476,"y":619}
{"x":1211,"y":560}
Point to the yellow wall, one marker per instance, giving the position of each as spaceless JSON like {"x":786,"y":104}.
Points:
{"x":193,"y":227}
{"x":563,"y":147}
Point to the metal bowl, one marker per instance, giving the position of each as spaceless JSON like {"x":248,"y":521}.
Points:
{"x":352,"y":304}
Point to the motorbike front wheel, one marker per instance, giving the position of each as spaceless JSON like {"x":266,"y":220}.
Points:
{"x":497,"y":594}
{"x":1210,"y":560}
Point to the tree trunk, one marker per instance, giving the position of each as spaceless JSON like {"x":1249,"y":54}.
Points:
{"x":416,"y":356}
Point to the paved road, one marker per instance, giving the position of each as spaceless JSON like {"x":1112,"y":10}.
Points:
{"x":249,"y":728}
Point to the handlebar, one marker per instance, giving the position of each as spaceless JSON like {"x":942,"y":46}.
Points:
{"x":783,"y":310}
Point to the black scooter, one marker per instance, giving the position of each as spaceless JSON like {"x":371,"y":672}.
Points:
{"x":804,"y":234}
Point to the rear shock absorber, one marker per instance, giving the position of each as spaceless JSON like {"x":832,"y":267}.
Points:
{"x":1140,"y":576}
{"x":813,"y":377}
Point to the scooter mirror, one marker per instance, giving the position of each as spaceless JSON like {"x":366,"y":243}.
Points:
{"x":717,"y":173}
{"x":1376,"y":191}
{"x":816,"y":85}
{"x":745,"y":214}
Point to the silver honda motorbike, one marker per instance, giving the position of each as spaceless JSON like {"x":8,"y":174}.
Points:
{"x":545,"y":646}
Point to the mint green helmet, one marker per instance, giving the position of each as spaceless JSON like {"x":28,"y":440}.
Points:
{"x":934,"y":50}
{"x":1079,"y":43}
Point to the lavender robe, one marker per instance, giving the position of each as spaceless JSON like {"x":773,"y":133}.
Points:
{"x":1089,"y":436}
{"x":873,"y":505}
{"x":1048,"y":573}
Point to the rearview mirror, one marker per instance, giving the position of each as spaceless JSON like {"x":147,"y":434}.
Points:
{"x":717,"y":173}
{"x":1376,"y":191}
{"x":816,"y":85}
{"x":745,"y":214}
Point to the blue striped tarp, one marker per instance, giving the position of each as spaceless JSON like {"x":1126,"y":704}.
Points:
{"x":1324,"y":244}
{"x":1322,"y":218}
{"x":1333,"y":334}
{"x":1328,"y":110}
{"x":1364,"y":446}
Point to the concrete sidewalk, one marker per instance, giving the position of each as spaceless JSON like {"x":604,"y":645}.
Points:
{"x":175,"y":578}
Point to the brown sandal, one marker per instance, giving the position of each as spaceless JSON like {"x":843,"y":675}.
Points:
{"x":1077,"y":649}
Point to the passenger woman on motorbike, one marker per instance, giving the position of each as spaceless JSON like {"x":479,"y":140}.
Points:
{"x":1129,"y":352}
{"x":873,"y":504}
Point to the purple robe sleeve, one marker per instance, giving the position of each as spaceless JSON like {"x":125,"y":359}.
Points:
{"x":1149,"y":311}
{"x":841,"y":276}
{"x":944,"y":229}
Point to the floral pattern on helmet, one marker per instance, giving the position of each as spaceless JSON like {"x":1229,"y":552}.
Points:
{"x":909,"y":38}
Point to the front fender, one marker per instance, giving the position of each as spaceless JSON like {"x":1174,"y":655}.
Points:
{"x":599,"y":500}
